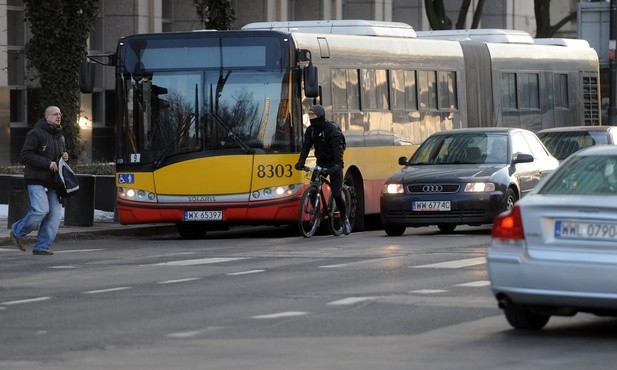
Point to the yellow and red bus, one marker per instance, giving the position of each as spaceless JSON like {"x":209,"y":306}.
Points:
{"x":209,"y":123}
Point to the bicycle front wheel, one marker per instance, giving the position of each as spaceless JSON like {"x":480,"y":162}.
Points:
{"x":309,"y":213}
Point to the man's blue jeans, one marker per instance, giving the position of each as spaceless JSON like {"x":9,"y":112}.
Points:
{"x":45,"y":214}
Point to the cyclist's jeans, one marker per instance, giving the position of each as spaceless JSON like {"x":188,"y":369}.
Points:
{"x":336,"y":182}
{"x":46,"y":211}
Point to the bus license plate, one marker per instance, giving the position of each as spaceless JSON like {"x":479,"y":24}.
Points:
{"x":585,"y":230}
{"x":431,"y":205}
{"x":203,"y":215}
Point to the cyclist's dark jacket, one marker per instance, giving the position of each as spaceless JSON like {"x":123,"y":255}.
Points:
{"x":328,"y":140}
{"x":43,"y":144}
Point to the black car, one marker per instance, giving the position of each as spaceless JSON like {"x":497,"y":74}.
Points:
{"x":563,"y":141}
{"x":463,"y":177}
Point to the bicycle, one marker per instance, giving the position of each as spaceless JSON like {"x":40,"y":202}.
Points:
{"x":317,"y":204}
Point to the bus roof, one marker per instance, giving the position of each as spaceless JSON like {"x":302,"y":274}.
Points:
{"x":345,"y":26}
{"x":483,"y":34}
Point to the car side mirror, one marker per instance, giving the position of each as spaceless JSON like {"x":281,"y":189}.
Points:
{"x":522,"y":158}
{"x":402,"y":161}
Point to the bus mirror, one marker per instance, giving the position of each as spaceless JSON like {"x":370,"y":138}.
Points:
{"x":86,"y":77}
{"x":311,"y":81}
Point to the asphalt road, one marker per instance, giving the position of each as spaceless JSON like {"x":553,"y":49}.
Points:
{"x":263,"y":298}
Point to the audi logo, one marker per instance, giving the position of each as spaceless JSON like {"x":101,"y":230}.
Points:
{"x":432,"y":188}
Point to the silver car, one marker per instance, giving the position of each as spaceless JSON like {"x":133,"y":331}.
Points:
{"x":555,"y":252}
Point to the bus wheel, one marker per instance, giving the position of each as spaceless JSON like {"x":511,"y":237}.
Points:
{"x":191,"y":230}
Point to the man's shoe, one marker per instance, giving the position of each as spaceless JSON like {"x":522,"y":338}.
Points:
{"x":42,"y":252}
{"x":18,"y":242}
{"x":346,"y":227}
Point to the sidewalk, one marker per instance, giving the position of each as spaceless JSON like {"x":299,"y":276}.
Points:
{"x":103,"y":225}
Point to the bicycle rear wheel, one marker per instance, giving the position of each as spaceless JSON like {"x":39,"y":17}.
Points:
{"x":335,"y":223}
{"x":309,"y":212}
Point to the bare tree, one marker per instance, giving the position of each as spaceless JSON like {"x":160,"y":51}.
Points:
{"x":436,"y":14}
{"x":542,"y":10}
{"x":438,"y":20}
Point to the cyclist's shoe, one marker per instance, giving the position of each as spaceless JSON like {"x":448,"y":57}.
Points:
{"x":346,"y":227}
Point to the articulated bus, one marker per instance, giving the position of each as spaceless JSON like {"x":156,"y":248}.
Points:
{"x":209,"y":123}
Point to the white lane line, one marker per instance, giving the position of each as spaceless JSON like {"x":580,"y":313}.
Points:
{"x":199,"y":261}
{"x":171,"y":254}
{"x":245,"y":272}
{"x":106,"y":290}
{"x":280,"y":314}
{"x":364,"y":262}
{"x":30,"y":300}
{"x":63,"y":267}
{"x":474,"y":284}
{"x":428,"y":291}
{"x":455,"y":264}
{"x":177,"y":281}
{"x":185,"y":334}
{"x":350,"y":301}
{"x":80,"y":250}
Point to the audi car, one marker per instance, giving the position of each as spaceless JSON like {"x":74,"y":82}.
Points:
{"x":555,"y":252}
{"x":463,"y":177}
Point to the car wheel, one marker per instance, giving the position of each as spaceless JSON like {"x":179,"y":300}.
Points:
{"x":394,"y":230}
{"x":446,"y":228}
{"x":511,"y":198}
{"x":521,"y":318}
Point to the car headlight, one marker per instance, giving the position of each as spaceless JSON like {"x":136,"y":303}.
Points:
{"x":393,"y":189}
{"x":479,"y":187}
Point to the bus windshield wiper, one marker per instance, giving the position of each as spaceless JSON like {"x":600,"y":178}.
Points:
{"x":233,"y":135}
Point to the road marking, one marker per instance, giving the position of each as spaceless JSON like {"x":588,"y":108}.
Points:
{"x":62,"y":267}
{"x":428,"y":291}
{"x":356,"y":263}
{"x":177,"y":281}
{"x":350,"y":301}
{"x":474,"y":284}
{"x":106,"y":290}
{"x":280,"y":314}
{"x":80,"y":250}
{"x":186,"y":334}
{"x":455,"y":264}
{"x":30,"y":300}
{"x":245,"y":272}
{"x":199,"y":261}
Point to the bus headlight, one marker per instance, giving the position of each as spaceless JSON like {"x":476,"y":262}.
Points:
{"x":137,"y":195}
{"x":275,"y":192}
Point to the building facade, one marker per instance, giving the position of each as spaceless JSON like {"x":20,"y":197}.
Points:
{"x":118,"y":18}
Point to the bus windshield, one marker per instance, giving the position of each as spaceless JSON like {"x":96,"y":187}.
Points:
{"x":173,"y":106}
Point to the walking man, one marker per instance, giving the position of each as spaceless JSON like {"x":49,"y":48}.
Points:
{"x":43,"y":146}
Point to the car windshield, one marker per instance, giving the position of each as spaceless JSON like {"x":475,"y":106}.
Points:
{"x":585,"y":175}
{"x":463,"y":148}
{"x":563,"y":144}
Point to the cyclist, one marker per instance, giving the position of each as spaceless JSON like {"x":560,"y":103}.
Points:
{"x":329,"y":143}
